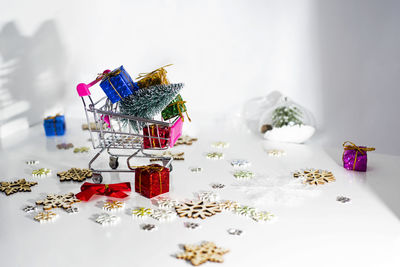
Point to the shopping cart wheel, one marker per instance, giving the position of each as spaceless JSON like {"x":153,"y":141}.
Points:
{"x":97,"y":178}
{"x":113,"y":162}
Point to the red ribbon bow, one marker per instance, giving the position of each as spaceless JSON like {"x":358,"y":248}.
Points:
{"x":112,"y":190}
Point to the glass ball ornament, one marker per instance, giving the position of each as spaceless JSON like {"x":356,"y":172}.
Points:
{"x":287,"y":121}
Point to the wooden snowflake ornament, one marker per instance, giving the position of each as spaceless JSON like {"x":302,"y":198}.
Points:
{"x":207,"y":251}
{"x":185,"y":140}
{"x":17,"y":186}
{"x":75,"y":174}
{"x":169,"y":154}
{"x":315,"y":177}
{"x":113,"y":205}
{"x":197,"y":209}
{"x":58,"y":201}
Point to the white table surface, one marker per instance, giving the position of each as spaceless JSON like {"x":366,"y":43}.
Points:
{"x":312,"y":229}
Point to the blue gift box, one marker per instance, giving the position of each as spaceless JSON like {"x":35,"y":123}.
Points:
{"x":118,"y":84}
{"x":54,"y":125}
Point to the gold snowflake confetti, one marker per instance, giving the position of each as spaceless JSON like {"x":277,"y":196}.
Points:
{"x":229,"y":205}
{"x":81,"y":149}
{"x":220,"y":144}
{"x":185,"y":140}
{"x":243,"y":174}
{"x":142,"y":212}
{"x":276,"y":152}
{"x":114,"y":205}
{"x":215,"y":155}
{"x":46,"y":216}
{"x":42,"y":172}
{"x":262,"y":216}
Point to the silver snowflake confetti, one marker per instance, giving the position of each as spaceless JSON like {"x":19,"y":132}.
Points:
{"x":163,"y":215}
{"x":72,"y":210}
{"x":342,"y":199}
{"x":32,"y":162}
{"x":233,"y":231}
{"x":191,"y":225}
{"x":240,"y":163}
{"x":217,"y":186}
{"x":196,"y":169}
{"x":40,"y":173}
{"x":220,"y":144}
{"x":243,"y":175}
{"x":208,"y":196}
{"x":276,"y":152}
{"x":29,"y":209}
{"x":107,"y":219}
{"x":215,"y":155}
{"x":149,"y":227}
{"x":166,"y":203}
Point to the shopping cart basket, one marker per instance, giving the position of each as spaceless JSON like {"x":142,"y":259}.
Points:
{"x":114,"y":131}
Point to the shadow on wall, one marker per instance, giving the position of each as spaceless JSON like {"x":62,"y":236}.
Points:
{"x":32,"y":75}
{"x":359,"y":67}
{"x":359,"y":54}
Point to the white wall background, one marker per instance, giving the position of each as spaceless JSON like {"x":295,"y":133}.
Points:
{"x":341,"y":59}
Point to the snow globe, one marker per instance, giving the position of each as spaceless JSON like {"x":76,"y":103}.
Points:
{"x":287,"y":121}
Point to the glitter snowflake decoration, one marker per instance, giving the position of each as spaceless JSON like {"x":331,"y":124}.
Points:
{"x":245,"y":211}
{"x":29,"y":209}
{"x":40,"y":173}
{"x":217,"y":186}
{"x":243,"y":175}
{"x":342,"y":199}
{"x":142,"y":212}
{"x":191,"y":225}
{"x":220,"y":144}
{"x":262,"y":216}
{"x":233,"y":231}
{"x":46,"y":216}
{"x":229,"y":205}
{"x":114,"y":205}
{"x":315,"y":177}
{"x":215,"y":155}
{"x":149,"y":227}
{"x":72,"y":210}
{"x":166,"y":203}
{"x":240,"y":163}
{"x":163,"y":215}
{"x":208,"y":196}
{"x":276,"y":152}
{"x":107,"y":219}
{"x":196,"y":169}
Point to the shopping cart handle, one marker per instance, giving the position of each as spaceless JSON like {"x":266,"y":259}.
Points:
{"x":83,"y":88}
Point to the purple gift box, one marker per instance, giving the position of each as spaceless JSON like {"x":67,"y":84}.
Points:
{"x":355,"y":157}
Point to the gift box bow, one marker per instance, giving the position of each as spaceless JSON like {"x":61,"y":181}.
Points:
{"x":351,"y":146}
{"x":112,"y":190}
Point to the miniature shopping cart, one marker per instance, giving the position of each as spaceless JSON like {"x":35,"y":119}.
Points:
{"x":114,"y":131}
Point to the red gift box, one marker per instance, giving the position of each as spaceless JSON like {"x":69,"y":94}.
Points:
{"x":151,"y":180}
{"x":157,"y":137}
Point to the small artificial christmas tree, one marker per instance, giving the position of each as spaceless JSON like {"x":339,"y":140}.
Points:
{"x":148,"y":102}
{"x":286,"y":116}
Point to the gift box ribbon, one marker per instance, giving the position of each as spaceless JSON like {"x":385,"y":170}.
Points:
{"x":113,"y":73}
{"x":54,"y":121}
{"x":178,"y":105}
{"x":150,"y":168}
{"x":351,"y":146}
{"x":112,"y":190}
{"x":160,"y":72}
